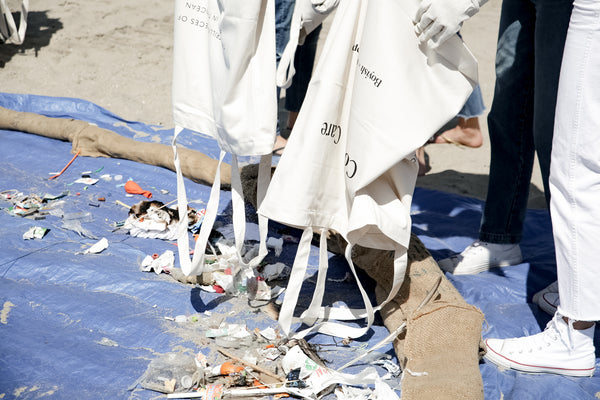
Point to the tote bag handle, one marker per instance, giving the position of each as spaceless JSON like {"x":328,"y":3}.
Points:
{"x":316,"y":311}
{"x":8,"y":29}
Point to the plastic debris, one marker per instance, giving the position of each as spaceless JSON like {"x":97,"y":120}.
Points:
{"x":163,"y":263}
{"x":273,"y":271}
{"x":134,"y":188}
{"x":97,"y":247}
{"x":165,"y":373}
{"x":35,"y":232}
{"x":66,"y":166}
{"x":276,"y":245}
{"x":107,"y":342}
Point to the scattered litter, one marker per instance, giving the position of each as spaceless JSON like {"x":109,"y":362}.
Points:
{"x":75,"y":226}
{"x":197,"y":217}
{"x":81,"y":216}
{"x":118,"y":177}
{"x":8,"y":194}
{"x":168,"y":373}
{"x":275,"y":244}
{"x":271,"y":272}
{"x":97,"y":247}
{"x":120,"y":203}
{"x":258,"y":289}
{"x":181,"y":319}
{"x":66,"y":166}
{"x":158,"y":264}
{"x":132,"y":187}
{"x":35,"y":232}
{"x":23,"y":206}
{"x":107,"y":342}
{"x":290,"y":239}
{"x":392,"y":367}
{"x":87,"y":181}
{"x":269,"y":334}
{"x":153,"y":219}
{"x":50,"y":197}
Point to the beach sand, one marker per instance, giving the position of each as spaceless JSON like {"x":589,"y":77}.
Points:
{"x":119,"y":56}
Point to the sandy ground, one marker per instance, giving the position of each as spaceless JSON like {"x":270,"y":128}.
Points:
{"x":119,"y":56}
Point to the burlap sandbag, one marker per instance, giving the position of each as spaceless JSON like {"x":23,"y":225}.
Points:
{"x":442,"y":345}
{"x":93,"y":141}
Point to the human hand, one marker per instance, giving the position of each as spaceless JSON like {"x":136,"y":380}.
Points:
{"x":438,"y":20}
{"x":324,"y":6}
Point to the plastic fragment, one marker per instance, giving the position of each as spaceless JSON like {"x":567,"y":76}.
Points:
{"x":98,"y":247}
{"x":35,"y":232}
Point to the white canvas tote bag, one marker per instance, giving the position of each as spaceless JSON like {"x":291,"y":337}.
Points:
{"x":9,"y":33}
{"x":349,"y":165}
{"x":224,"y":86}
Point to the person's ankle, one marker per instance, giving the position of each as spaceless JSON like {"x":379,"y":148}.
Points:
{"x":580,"y":325}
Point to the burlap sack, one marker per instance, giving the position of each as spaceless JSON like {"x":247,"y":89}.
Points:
{"x":93,"y":141}
{"x":442,"y":344}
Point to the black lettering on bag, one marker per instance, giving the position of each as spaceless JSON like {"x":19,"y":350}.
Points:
{"x":333,"y":130}
{"x":351,"y":167}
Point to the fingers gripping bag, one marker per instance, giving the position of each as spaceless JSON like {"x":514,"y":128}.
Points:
{"x":375,"y":97}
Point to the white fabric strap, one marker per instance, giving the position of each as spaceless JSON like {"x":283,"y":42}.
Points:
{"x":239,"y":209}
{"x":315,"y":311}
{"x":8,"y":29}
{"x":285,"y":69}
{"x":286,"y":314}
{"x":337,"y":329}
{"x":195,"y":266}
{"x":348,"y":314}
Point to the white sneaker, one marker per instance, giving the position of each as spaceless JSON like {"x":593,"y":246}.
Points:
{"x":547,"y":299}
{"x":481,"y":256}
{"x":559,"y":349}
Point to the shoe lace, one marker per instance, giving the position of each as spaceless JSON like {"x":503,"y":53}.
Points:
{"x":553,"y":330}
{"x":474,"y":248}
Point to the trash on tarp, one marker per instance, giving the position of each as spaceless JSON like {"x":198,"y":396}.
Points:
{"x":172,"y":372}
{"x":107,"y":342}
{"x":97,"y":247}
{"x":87,"y":181}
{"x":35,"y":232}
{"x":132,"y":187}
{"x":275,"y":271}
{"x":155,"y":220}
{"x":162,"y":263}
{"x":275,"y":244}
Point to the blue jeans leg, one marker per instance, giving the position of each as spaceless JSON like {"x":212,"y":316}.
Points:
{"x":304,"y":60}
{"x":521,"y":120}
{"x":284,"y":10}
{"x":474,"y":106}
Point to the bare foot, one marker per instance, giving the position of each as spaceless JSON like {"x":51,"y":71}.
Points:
{"x":279,"y":146}
{"x":423,"y":159}
{"x":466,"y":133}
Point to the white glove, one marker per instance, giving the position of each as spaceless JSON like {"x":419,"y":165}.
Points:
{"x":438,"y":20}
{"x":324,"y":6}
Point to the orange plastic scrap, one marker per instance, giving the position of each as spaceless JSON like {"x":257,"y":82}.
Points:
{"x":66,"y":166}
{"x":134,"y":188}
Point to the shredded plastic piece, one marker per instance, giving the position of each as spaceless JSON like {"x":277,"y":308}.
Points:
{"x":66,"y":166}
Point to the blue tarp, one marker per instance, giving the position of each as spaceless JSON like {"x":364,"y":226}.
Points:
{"x":59,"y":307}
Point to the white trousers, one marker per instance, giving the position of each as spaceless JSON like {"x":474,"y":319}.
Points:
{"x":575,"y":167}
